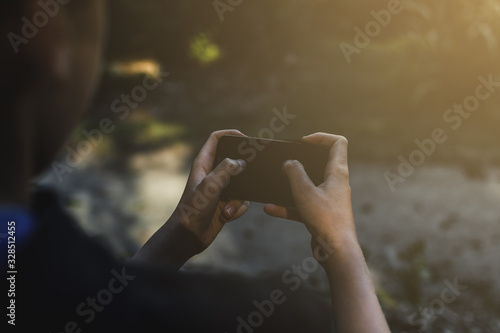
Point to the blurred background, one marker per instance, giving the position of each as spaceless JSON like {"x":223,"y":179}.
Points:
{"x":231,"y":65}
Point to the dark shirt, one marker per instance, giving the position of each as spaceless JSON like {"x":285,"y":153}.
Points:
{"x":66,"y":282}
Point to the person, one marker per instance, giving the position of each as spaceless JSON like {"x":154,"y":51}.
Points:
{"x":65,"y":282}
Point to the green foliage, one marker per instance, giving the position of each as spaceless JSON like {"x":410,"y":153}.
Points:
{"x":142,"y":131}
{"x":394,"y":91}
{"x":203,"y":49}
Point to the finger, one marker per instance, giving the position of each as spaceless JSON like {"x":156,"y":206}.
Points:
{"x":300,"y":182}
{"x":211,"y":186}
{"x":338,"y":158}
{"x":282,"y":212}
{"x":320,"y":138}
{"x":205,"y":159}
{"x":235,"y":209}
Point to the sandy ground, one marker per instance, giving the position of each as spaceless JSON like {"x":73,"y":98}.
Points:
{"x":457,"y":218}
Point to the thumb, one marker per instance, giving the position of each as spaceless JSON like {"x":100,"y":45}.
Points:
{"x":300,"y":182}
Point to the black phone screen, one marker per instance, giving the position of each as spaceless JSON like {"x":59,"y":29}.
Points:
{"x":264,"y":180}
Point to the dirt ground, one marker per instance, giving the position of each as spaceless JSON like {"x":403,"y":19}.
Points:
{"x":439,"y":226}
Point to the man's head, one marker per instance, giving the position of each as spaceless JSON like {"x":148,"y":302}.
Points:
{"x":50,"y":55}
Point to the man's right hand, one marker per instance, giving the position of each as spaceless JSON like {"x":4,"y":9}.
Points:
{"x":326,"y":209}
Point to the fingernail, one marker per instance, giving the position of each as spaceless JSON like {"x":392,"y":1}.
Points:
{"x":229,"y":211}
{"x":243,"y":164}
{"x":284,"y":164}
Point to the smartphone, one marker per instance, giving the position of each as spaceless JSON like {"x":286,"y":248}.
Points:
{"x":264,"y":180}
